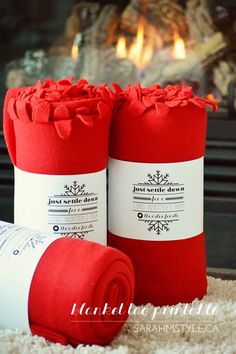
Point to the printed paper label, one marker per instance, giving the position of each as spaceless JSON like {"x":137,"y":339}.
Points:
{"x":64,"y":205}
{"x":20,"y":252}
{"x":159,"y":202}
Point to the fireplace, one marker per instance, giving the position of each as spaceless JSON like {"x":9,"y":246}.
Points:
{"x":166,"y":41}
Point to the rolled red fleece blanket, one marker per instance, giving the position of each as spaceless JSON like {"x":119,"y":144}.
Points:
{"x":57,"y":134}
{"x":157,"y":146}
{"x":66,"y":290}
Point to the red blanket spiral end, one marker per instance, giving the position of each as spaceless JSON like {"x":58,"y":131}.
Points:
{"x":85,"y":276}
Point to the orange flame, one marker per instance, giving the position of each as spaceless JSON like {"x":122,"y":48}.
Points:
{"x":179,"y":47}
{"x":139,"y":53}
{"x":74,"y":51}
{"x":136,"y":49}
{"x":121,"y":51}
{"x":75,"y":47}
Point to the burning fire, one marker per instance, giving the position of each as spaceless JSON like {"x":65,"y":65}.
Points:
{"x":121,"y":51}
{"x":74,"y":51}
{"x":141,"y":51}
{"x":75,"y":47}
{"x":179,"y":47}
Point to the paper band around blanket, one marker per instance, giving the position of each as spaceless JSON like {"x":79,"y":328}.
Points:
{"x":45,"y":281}
{"x":158,"y":200}
{"x":155,"y":130}
{"x":58,"y":133}
{"x":62,"y":205}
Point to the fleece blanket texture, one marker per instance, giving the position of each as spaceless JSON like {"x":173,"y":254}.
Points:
{"x":155,"y":125}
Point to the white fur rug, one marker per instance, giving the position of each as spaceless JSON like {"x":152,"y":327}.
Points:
{"x":167,"y":333}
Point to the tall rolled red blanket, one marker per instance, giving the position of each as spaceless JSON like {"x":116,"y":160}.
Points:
{"x":157,"y":146}
{"x":57,"y":134}
{"x":67,"y":290}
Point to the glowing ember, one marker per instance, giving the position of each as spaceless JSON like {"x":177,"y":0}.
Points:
{"x":179,"y":47}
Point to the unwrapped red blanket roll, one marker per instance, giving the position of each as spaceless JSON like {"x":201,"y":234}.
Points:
{"x":71,"y":289}
{"x":157,"y":146}
{"x":57,"y":134}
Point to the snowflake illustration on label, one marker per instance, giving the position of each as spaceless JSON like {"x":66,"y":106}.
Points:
{"x":158,"y":178}
{"x":158,"y":226}
{"x":74,"y":212}
{"x":35,"y":240}
{"x":158,"y":202}
{"x":80,"y":235}
{"x":74,"y":189}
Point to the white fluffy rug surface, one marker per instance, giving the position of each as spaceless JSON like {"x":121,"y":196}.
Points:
{"x":209,"y":328}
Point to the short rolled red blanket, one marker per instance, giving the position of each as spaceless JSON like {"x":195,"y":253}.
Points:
{"x":57,"y":134}
{"x":79,"y":291}
{"x":157,"y":146}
